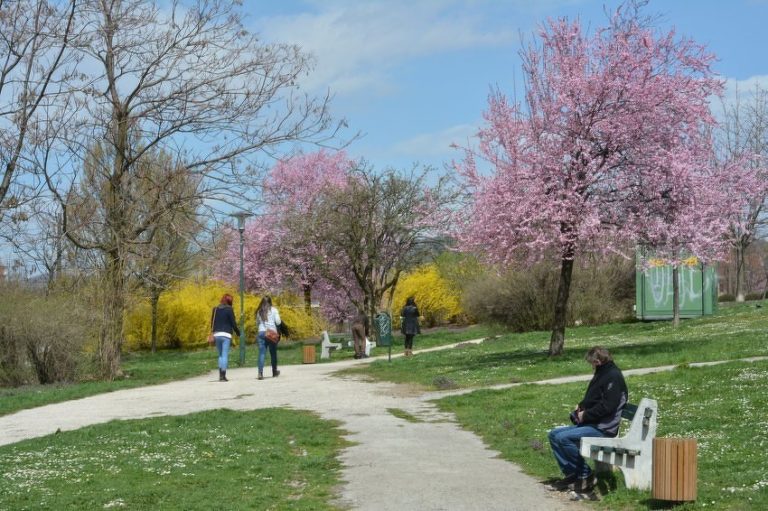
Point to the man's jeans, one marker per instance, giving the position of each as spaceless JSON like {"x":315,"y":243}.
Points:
{"x":565,"y":442}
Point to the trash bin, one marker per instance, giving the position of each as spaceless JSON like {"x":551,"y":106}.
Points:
{"x":309,"y":354}
{"x":383,"y":325}
{"x":674,"y":469}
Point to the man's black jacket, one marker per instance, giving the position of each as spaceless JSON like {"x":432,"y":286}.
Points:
{"x":605,"y":398}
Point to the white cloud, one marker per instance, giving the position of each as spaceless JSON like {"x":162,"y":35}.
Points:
{"x":746,"y":86}
{"x":357,"y":44}
{"x":437,"y":144}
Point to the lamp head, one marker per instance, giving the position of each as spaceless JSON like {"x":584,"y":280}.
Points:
{"x":241,"y":216}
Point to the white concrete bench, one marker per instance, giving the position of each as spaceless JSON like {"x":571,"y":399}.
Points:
{"x":632,"y":453}
{"x":327,"y":346}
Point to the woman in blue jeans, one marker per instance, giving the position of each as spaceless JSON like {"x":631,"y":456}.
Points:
{"x":222,"y":325}
{"x":268,"y":318}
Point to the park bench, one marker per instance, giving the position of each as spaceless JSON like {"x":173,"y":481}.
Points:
{"x":327,"y":346}
{"x":632,"y":453}
{"x":368,"y":346}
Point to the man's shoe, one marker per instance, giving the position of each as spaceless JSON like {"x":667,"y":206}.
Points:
{"x":564,"y":484}
{"x":584,"y":485}
{"x":260,"y":377}
{"x":276,"y":374}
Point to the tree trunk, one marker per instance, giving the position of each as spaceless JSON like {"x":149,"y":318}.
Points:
{"x":739,"y":273}
{"x":675,"y":296}
{"x":154,"y":300}
{"x":557,"y":341}
{"x":308,"y":299}
{"x":111,"y":337}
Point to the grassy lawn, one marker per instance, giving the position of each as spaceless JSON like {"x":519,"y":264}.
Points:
{"x":144,"y":368}
{"x":221,"y":459}
{"x":734,"y":332}
{"x":723,"y":407}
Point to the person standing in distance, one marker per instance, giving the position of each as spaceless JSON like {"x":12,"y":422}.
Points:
{"x":409,"y":318}
{"x":223,"y":323}
{"x":597,"y":415}
{"x":268,"y":318}
{"x":359,"y":333}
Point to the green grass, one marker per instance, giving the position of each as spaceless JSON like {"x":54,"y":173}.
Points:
{"x":402,"y":414}
{"x":256,"y":460}
{"x":144,"y":368}
{"x":723,"y":407}
{"x":734,"y":332}
{"x":221,"y":459}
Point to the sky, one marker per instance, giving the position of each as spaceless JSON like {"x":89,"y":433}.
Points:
{"x":413,"y":77}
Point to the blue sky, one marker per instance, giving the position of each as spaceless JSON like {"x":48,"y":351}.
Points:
{"x":414,"y":76}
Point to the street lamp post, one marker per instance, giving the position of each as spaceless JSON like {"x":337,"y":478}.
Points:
{"x":241,"y":216}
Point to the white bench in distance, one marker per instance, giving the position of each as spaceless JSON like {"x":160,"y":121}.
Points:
{"x":327,"y":346}
{"x":368,"y":346}
{"x":632,"y":453}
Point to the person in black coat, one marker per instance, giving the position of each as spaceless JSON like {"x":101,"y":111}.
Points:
{"x":223,"y":323}
{"x":597,"y":415}
{"x":409,"y":324}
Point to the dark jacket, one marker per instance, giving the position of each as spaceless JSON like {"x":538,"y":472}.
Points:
{"x":223,"y":318}
{"x":410,"y":326}
{"x":605,"y":399}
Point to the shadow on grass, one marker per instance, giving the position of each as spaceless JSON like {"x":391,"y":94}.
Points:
{"x":627,"y":356}
{"x":663,"y":504}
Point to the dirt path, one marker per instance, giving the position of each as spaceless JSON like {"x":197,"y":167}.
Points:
{"x":394,"y":465}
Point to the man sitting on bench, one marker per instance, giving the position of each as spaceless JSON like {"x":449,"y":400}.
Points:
{"x":597,"y":415}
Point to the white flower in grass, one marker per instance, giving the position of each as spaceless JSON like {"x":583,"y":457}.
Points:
{"x":114,"y":503}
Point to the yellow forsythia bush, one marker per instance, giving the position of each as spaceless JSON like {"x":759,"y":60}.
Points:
{"x":184,"y":317}
{"x":438,"y":301}
{"x":302,"y":325}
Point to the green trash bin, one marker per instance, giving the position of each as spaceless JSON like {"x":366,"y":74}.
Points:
{"x":383,"y":324}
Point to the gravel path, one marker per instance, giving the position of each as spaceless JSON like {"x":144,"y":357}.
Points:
{"x":394,"y":465}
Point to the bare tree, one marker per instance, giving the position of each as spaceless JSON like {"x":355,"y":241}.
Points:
{"x":744,"y":134}
{"x":168,"y":252}
{"x":34,"y":66}
{"x":187,"y":80}
{"x":373,"y":229}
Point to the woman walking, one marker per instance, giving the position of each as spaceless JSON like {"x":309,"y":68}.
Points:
{"x":409,"y":318}
{"x":268,"y":318}
{"x":222,"y":324}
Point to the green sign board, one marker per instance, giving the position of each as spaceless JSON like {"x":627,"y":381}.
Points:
{"x":697,"y":285}
{"x":383,"y":324}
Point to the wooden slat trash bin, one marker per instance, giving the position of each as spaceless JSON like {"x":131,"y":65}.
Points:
{"x":674,"y":469}
{"x":309,"y":354}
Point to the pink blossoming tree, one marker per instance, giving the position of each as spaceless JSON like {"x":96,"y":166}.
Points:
{"x":374,"y":228}
{"x":275,"y":257}
{"x":609,"y":137}
{"x":743,"y":144}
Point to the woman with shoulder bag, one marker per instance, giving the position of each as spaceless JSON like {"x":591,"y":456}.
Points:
{"x":268,"y":318}
{"x":223,"y":323}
